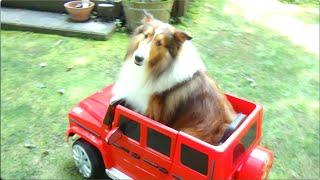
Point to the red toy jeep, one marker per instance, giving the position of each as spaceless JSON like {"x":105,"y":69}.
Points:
{"x":123,"y":144}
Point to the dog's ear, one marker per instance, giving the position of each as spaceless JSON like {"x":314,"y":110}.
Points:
{"x":181,"y":36}
{"x":147,"y":17}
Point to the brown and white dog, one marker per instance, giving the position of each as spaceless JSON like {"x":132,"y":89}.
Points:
{"x":163,"y":78}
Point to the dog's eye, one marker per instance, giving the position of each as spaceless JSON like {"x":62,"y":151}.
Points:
{"x":158,"y":43}
{"x":145,"y":36}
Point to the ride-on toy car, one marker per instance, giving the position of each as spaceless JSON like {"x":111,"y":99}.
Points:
{"x":123,"y":144}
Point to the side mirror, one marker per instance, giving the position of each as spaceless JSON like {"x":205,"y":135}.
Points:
{"x":114,"y":135}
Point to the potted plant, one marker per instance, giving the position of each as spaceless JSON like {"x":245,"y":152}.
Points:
{"x":79,"y":10}
{"x":134,"y":10}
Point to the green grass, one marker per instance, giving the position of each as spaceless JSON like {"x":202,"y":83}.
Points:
{"x":309,"y":17}
{"x":302,"y":2}
{"x":30,"y":114}
{"x":286,"y":78}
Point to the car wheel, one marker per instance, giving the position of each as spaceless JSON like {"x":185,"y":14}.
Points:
{"x":88,"y":159}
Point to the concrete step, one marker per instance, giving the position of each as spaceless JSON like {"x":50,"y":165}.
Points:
{"x":54,"y":23}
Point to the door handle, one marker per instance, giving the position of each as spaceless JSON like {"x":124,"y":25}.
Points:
{"x":177,"y":177}
{"x":150,"y":163}
{"x":120,"y":147}
{"x":163,"y":170}
{"x":135,"y":155}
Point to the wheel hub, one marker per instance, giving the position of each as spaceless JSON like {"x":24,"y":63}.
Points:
{"x":82,"y":160}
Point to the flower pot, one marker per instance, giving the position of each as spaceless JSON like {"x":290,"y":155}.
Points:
{"x":134,"y":11}
{"x":78,"y":13}
{"x":105,"y":11}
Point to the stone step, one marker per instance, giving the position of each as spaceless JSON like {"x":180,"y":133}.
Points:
{"x":54,"y":23}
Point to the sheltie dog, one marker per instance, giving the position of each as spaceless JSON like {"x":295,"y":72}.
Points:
{"x":163,"y":77}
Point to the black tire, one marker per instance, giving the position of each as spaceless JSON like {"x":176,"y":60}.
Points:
{"x":94,"y":156}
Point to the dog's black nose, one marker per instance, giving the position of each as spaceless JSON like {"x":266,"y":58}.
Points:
{"x":138,"y":59}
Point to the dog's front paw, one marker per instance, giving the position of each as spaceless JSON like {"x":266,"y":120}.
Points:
{"x":113,"y":99}
{"x":116,"y":100}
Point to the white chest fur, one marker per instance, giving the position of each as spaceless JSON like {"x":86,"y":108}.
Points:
{"x":131,"y":86}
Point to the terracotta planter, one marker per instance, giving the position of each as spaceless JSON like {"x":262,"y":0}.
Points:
{"x":78,"y":14}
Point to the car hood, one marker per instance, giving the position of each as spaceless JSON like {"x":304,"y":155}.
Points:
{"x":91,"y":111}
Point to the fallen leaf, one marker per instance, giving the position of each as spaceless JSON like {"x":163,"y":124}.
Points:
{"x":61,"y":91}
{"x":29,"y":145}
{"x":41,"y":86}
{"x":44,"y":153}
{"x":57,"y":43}
{"x":69,"y":68}
{"x":227,"y":43}
{"x":43,"y":64}
{"x":36,"y":160}
{"x":251,"y":81}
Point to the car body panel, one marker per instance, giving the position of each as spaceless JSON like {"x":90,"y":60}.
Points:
{"x":137,"y":160}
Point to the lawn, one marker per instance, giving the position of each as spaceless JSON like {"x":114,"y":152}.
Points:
{"x":246,"y":59}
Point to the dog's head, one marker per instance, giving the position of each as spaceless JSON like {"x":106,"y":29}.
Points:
{"x":155,"y":45}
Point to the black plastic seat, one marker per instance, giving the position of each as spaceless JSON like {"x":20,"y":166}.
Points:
{"x":233,"y":127}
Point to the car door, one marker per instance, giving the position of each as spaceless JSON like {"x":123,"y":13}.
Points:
{"x":126,"y":151}
{"x":193,"y":159}
{"x":146,"y":148}
{"x":159,"y":147}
